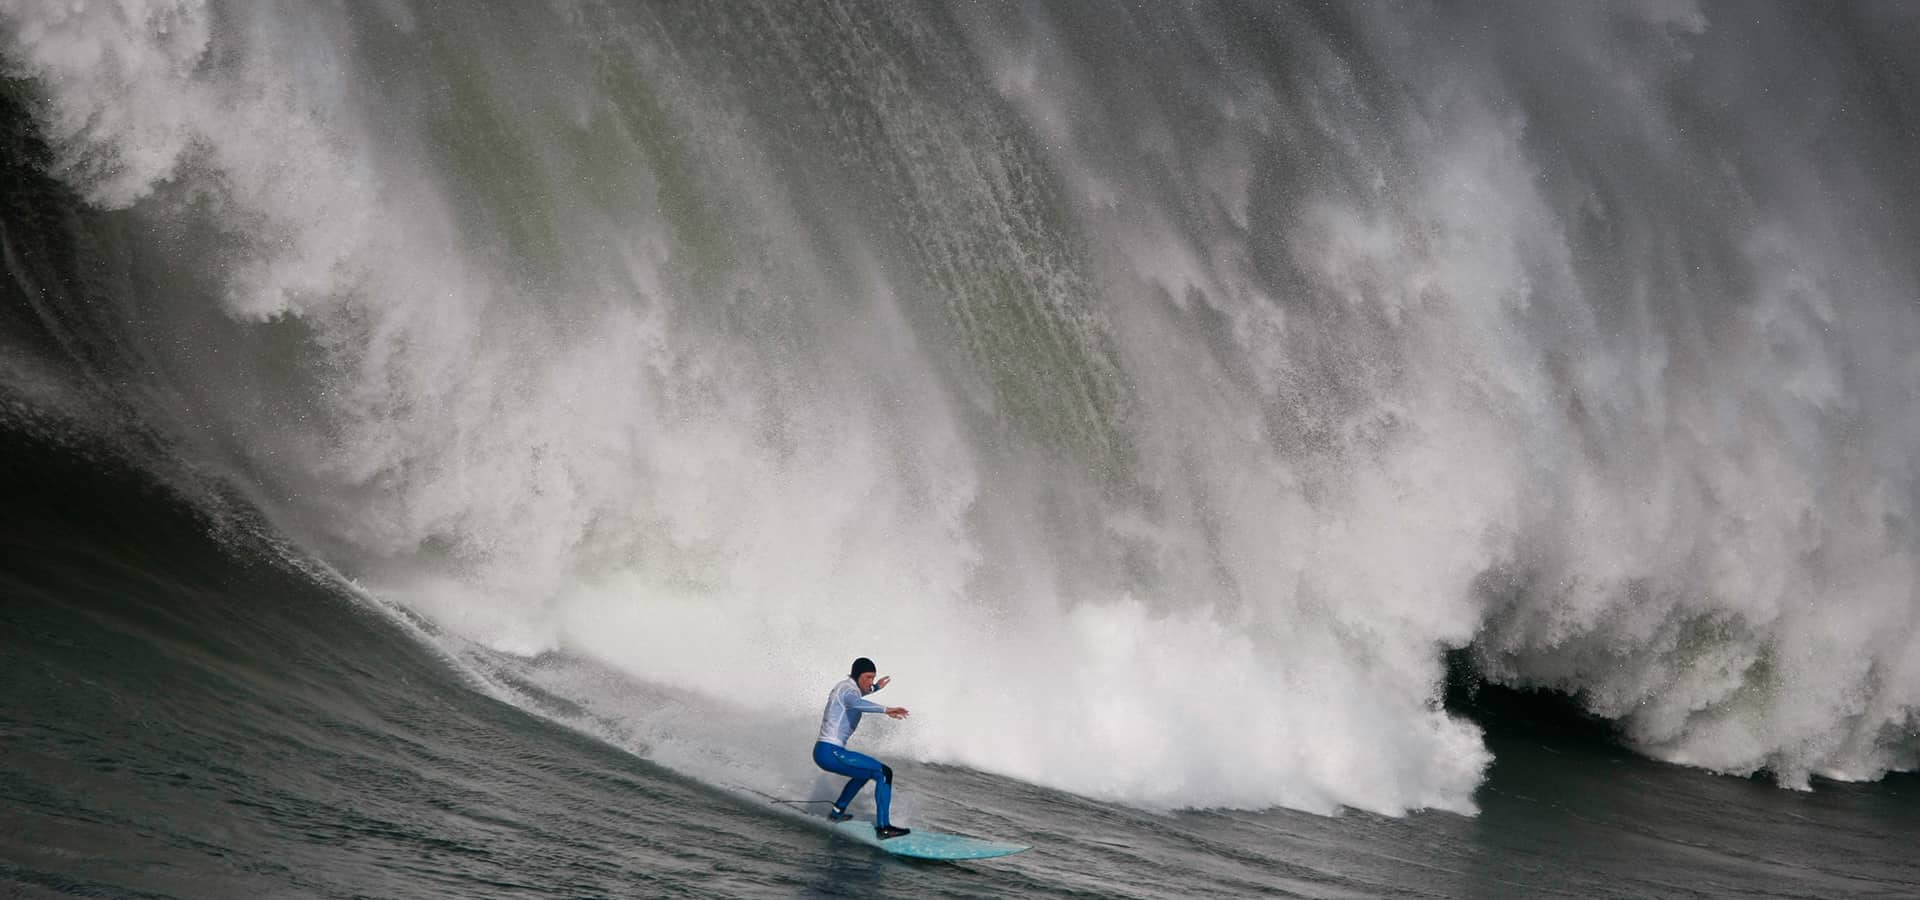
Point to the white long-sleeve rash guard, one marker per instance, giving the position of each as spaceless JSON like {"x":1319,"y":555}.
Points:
{"x":842,"y":716}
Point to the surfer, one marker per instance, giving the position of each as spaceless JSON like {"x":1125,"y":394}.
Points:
{"x":845,"y":703}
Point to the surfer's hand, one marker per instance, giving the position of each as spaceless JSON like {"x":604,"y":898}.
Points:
{"x":897,"y":712}
{"x":882,"y":682}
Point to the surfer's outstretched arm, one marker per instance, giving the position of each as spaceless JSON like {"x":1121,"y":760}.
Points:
{"x":892,"y":712}
{"x":868,"y":706}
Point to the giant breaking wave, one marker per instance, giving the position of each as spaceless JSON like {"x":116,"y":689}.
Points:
{"x":1158,"y":393}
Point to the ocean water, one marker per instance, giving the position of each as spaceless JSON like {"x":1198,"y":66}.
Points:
{"x":1277,"y":449}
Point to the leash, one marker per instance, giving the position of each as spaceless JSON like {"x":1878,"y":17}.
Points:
{"x":780,"y":799}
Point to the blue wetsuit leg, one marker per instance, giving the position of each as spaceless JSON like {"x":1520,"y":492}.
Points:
{"x":862,"y":769}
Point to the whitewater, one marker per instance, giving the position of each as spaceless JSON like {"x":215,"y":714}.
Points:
{"x":1176,"y":400}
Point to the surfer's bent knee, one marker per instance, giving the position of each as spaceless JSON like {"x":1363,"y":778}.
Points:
{"x":886,"y":772}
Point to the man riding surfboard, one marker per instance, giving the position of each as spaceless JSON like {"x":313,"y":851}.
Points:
{"x":845,"y":703}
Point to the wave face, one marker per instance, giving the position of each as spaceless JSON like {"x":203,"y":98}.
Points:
{"x":1157,"y":394}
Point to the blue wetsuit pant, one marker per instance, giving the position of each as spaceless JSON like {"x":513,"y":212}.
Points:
{"x":862,"y":769}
